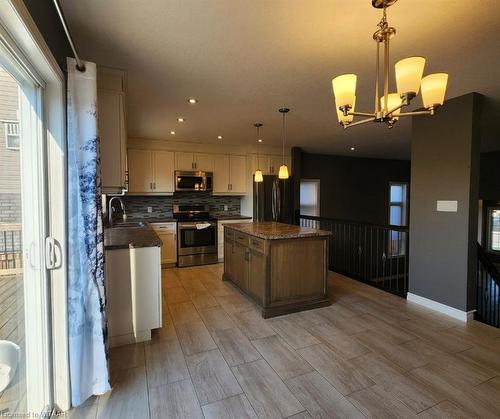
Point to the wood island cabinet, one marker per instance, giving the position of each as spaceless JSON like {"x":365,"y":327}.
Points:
{"x":282,"y":267}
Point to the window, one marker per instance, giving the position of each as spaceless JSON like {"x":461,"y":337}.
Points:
{"x":398,"y":197}
{"x":309,"y":197}
{"x":12,"y":137}
{"x":494,"y":229}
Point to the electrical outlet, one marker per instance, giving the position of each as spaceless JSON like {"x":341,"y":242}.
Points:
{"x":226,"y":208}
{"x":150,"y":209}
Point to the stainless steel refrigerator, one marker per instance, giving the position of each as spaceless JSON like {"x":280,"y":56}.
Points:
{"x":273,"y":200}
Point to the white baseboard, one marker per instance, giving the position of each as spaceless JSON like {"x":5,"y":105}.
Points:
{"x":463,"y":316}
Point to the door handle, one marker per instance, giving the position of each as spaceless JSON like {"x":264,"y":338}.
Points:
{"x":53,"y":254}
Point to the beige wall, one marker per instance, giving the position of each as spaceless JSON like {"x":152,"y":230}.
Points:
{"x":9,"y":159}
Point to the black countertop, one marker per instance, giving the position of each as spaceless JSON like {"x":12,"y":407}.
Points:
{"x":130,"y":237}
{"x":231,"y":217}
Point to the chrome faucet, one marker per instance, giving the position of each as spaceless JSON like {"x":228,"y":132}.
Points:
{"x":111,"y":209}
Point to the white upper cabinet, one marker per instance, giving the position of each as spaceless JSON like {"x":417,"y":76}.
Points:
{"x":204,"y":162}
{"x":229,"y":174}
{"x":163,"y":165}
{"x":151,"y":172}
{"x":237,"y":174}
{"x":184,"y":161}
{"x":221,"y":174}
{"x":187,"y":161}
{"x":112,"y":128}
{"x":140,"y":168}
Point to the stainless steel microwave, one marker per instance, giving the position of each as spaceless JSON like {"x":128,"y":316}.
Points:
{"x":193,"y":181}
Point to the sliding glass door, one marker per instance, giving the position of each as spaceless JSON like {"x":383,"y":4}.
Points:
{"x":25,"y":352}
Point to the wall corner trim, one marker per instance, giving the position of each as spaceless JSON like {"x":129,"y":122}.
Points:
{"x":464,"y":316}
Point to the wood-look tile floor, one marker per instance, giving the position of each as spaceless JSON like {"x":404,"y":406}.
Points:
{"x":370,"y":354}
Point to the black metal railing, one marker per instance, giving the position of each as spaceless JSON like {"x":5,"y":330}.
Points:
{"x":374,"y":254}
{"x":10,"y":247}
{"x":488,"y":290}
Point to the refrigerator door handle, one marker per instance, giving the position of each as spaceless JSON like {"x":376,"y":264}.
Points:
{"x":278,"y":201}
{"x":273,"y":201}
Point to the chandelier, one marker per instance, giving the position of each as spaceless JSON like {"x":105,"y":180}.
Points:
{"x":409,"y":81}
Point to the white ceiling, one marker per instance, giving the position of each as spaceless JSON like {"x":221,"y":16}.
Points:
{"x":245,"y":59}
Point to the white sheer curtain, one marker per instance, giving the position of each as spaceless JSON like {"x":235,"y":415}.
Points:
{"x":86,"y":294}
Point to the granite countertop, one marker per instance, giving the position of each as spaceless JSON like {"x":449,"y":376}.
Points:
{"x":130,"y":237}
{"x":160,"y":219}
{"x":274,"y":231}
{"x":231,"y":217}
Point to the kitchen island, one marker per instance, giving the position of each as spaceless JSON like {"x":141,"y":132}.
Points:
{"x":282,"y":267}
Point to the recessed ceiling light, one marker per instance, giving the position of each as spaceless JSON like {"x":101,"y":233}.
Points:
{"x":180,"y":119}
{"x":219,"y":137}
{"x":353,"y":148}
{"x":192,"y":100}
{"x":260,"y":140}
{"x":172,"y":132}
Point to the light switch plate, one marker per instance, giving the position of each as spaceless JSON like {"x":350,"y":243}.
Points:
{"x":150,"y":209}
{"x":447,"y":206}
{"x":226,"y":208}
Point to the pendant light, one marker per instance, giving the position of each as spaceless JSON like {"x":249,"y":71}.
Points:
{"x":258,"y":173}
{"x":283,"y":172}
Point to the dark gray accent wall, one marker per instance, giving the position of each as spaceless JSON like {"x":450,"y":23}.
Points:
{"x":45,"y":16}
{"x":489,"y":183}
{"x":352,"y":188}
{"x":445,"y":166}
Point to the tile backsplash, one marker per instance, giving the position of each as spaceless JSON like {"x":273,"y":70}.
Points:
{"x":137,"y":206}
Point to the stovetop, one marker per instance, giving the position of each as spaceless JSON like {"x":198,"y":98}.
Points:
{"x":192,"y":213}
{"x":194,"y":217}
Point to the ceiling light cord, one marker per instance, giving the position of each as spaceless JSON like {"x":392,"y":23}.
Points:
{"x":284,"y":137}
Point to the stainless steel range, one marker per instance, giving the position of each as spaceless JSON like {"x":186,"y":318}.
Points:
{"x":196,"y":235}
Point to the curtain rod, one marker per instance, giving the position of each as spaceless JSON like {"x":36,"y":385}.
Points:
{"x":79,"y":63}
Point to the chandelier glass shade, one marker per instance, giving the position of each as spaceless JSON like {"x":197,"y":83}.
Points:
{"x":409,"y":81}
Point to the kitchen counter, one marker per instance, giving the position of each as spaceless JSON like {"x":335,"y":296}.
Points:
{"x":269,"y":230}
{"x":130,"y":237}
{"x":231,"y":217}
{"x":282,"y":267}
{"x":153,"y":219}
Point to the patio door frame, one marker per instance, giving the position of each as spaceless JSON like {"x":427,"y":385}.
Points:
{"x":21,"y":37}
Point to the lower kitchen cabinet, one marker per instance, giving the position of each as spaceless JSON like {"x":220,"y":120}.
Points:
{"x":167,"y":232}
{"x":133,"y":289}
{"x":240,"y":267}
{"x":256,"y":274}
{"x":220,"y":234}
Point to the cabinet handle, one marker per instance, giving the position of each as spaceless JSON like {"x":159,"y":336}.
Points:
{"x":247,"y":255}
{"x":154,"y":185}
{"x":151,"y":185}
